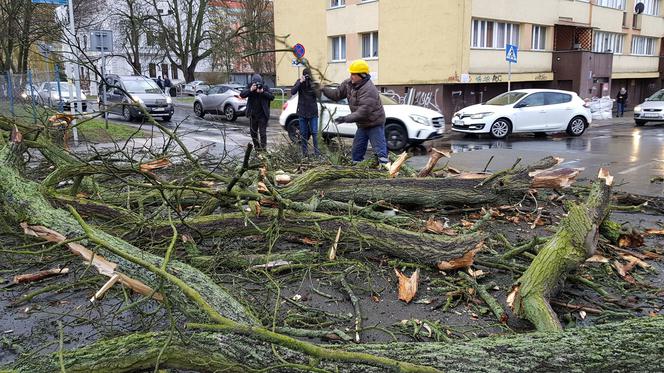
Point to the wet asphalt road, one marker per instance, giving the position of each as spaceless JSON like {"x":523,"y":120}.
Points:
{"x":633,"y":155}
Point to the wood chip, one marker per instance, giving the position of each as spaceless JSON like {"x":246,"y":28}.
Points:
{"x":36,"y":276}
{"x":597,"y":259}
{"x":463,"y":262}
{"x":332,"y":254}
{"x":155,"y":165}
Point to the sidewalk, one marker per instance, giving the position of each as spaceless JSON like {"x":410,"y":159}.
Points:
{"x":628,"y":118}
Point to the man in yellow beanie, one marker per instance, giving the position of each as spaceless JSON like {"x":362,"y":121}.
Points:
{"x":366,"y":111}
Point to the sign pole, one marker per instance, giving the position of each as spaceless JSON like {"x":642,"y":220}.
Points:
{"x":77,"y":74}
{"x":103,"y":79}
{"x":509,"y":77}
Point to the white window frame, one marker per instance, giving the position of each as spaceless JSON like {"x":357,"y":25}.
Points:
{"x":643,"y":46}
{"x":373,"y":45}
{"x":615,"y":4}
{"x":604,"y":42}
{"x":337,"y":4}
{"x":479,"y":34}
{"x":538,"y":38}
{"x":651,"y":7}
{"x":511,"y":29}
{"x":338,"y":45}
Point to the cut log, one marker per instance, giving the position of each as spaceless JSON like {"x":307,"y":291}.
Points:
{"x":574,"y":242}
{"x":352,"y":185}
{"x":626,"y":346}
{"x":435,"y":156}
{"x":396,"y":242}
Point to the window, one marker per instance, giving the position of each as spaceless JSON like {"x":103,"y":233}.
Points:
{"x":370,"y":45}
{"x":539,"y":38}
{"x":490,"y":34}
{"x":338,"y":48}
{"x":643,"y":46}
{"x":174,"y":71}
{"x":536,"y":99}
{"x":651,"y":7}
{"x":557,"y":98}
{"x":608,"y":42}
{"x":337,"y":3}
{"x":617,"y":4}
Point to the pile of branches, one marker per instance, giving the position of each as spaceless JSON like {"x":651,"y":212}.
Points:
{"x":112,"y":208}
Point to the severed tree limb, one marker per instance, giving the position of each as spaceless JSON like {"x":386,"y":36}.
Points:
{"x":435,"y":156}
{"x":575,"y":240}
{"x":623,"y":346}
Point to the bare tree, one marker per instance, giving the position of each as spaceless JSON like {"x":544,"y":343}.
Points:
{"x":256,"y":34}
{"x":133,"y":20}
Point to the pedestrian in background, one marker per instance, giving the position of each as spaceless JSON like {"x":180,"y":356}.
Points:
{"x":366,"y":111}
{"x":167,"y":85}
{"x":621,"y":100}
{"x":258,"y":97}
{"x":307,"y":110}
{"x":160,"y":83}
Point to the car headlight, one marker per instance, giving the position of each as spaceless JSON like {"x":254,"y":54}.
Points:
{"x":24,"y":95}
{"x":169,"y":100}
{"x":480,"y":115}
{"x":420,"y":119}
{"x":637,"y":109}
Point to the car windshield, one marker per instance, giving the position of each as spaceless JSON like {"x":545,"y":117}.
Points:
{"x":141,"y":86}
{"x":658,"y":96}
{"x":387,"y":101}
{"x":64,"y":86}
{"x":506,"y":98}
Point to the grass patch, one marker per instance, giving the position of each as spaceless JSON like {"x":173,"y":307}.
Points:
{"x":184,"y":100}
{"x":94,"y":130}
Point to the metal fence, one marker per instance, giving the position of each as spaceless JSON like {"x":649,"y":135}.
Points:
{"x":29,"y":94}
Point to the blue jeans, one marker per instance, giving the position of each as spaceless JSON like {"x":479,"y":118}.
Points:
{"x":375,"y":135}
{"x":309,"y":127}
{"x":621,"y":109}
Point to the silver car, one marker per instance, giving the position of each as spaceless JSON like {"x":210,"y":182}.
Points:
{"x":652,"y":110}
{"x":223,"y":99}
{"x":195,"y":87}
{"x":50,"y":94}
{"x":143,"y":91}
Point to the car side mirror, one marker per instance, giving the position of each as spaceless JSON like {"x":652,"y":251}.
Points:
{"x":520,"y":105}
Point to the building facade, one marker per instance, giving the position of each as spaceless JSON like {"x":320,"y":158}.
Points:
{"x":449,"y":54}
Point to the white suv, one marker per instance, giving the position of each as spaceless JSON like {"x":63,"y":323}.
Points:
{"x":526,"y":110}
{"x":404,"y":125}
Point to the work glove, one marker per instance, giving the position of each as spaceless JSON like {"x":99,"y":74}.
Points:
{"x":341,"y":119}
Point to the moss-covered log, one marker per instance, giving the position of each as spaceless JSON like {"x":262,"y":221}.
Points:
{"x":502,"y":187}
{"x":21,"y":201}
{"x":633,"y":345}
{"x":574,"y":241}
{"x":360,"y":233}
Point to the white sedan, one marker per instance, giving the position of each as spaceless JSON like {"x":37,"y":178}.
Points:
{"x":404,"y":124}
{"x":526,"y":110}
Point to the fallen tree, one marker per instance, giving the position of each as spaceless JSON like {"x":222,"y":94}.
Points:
{"x":626,"y":346}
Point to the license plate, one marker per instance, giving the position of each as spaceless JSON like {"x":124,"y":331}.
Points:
{"x":158,"y":109}
{"x":651,"y":115}
{"x":459,"y":122}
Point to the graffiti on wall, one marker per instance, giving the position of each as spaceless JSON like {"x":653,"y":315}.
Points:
{"x":427,"y":98}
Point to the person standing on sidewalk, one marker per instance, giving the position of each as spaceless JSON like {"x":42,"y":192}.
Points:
{"x":167,"y":85}
{"x":366,"y":111}
{"x":307,"y":109}
{"x":621,"y":100}
{"x":160,"y":83}
{"x":258,"y":97}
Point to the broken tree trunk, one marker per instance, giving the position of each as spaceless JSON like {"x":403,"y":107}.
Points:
{"x":574,"y":242}
{"x":624,"y":346}
{"x":21,"y":201}
{"x":350,"y":185}
{"x":400,"y":243}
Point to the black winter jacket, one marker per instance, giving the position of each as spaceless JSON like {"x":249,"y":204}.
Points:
{"x":258,"y":104}
{"x":364,"y":101}
{"x":307,"y":101}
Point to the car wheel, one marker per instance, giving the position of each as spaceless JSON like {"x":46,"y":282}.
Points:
{"x":501,"y":128}
{"x":639,"y":123}
{"x":577,"y":126}
{"x":229,"y":113}
{"x":198,"y":110}
{"x":293,"y":128}
{"x":126,"y":113}
{"x":396,"y":136}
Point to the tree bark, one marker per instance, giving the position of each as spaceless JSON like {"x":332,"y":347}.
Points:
{"x":632,"y":345}
{"x":575,"y":240}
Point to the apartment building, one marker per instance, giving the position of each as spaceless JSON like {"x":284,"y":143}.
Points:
{"x":449,"y":54}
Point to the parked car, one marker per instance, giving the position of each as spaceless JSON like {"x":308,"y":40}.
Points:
{"x":223,"y":99}
{"x":143,"y":90}
{"x":652,"y":110}
{"x":404,"y":125}
{"x":526,"y":110}
{"x":49,"y":94}
{"x":195,"y":88}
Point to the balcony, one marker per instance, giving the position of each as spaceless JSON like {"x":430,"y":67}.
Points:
{"x":625,"y":67}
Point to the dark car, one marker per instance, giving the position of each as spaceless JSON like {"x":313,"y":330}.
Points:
{"x":142,"y":90}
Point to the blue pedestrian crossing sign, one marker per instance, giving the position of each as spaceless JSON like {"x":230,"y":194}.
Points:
{"x":511,"y":53}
